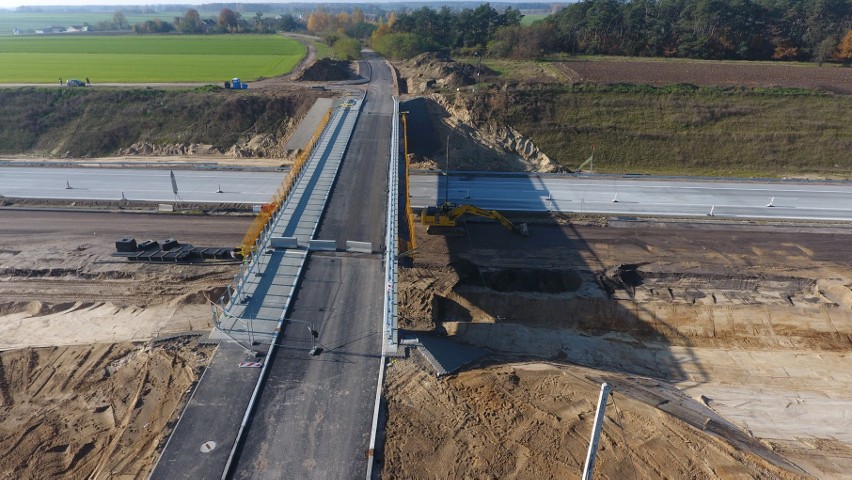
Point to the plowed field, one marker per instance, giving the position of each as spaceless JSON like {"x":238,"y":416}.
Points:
{"x":747,"y":74}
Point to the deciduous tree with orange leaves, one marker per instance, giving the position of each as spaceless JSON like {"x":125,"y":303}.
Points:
{"x":844,"y":50}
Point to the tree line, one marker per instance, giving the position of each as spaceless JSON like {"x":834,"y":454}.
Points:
{"x":467,"y":30}
{"x":819,"y":30}
{"x":710,"y":29}
{"x":228,"y":21}
{"x":707,"y":29}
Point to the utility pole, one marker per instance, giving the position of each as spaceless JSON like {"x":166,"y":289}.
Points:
{"x":589,"y":469}
{"x":447,"y":174}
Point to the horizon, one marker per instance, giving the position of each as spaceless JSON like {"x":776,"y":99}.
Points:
{"x":14,"y":4}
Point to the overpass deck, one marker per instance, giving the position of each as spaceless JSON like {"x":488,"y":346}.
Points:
{"x":205,"y":437}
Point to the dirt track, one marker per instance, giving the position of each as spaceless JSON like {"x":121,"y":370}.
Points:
{"x":709,"y":332}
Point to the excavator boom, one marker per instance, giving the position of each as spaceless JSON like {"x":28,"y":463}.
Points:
{"x":442,"y":220}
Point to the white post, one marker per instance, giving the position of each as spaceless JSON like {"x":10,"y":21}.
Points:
{"x":596,"y":432}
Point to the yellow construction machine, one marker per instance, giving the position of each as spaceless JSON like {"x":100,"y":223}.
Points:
{"x":442,"y":220}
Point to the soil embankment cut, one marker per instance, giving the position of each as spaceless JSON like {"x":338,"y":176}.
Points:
{"x":726,"y":346}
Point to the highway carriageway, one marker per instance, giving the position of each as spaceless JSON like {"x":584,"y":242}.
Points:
{"x":629,"y":195}
{"x":153,"y":185}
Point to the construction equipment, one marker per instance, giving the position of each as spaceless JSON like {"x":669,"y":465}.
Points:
{"x":236,"y":84}
{"x":442,"y":220}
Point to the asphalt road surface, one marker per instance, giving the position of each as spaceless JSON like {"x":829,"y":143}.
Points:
{"x":314,"y":414}
{"x":139,"y":184}
{"x":646,"y":196}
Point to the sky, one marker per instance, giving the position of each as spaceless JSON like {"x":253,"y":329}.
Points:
{"x":41,"y":3}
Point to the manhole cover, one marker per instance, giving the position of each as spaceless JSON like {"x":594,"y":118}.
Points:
{"x":208,"y":446}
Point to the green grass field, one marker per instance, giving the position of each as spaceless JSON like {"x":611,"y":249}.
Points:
{"x":529,"y":19}
{"x":323,"y":50}
{"x":146,"y":58}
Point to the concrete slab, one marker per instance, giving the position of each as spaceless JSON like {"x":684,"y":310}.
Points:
{"x":361,"y":247}
{"x":322,"y":245}
{"x":447,"y":355}
{"x":284,"y":242}
{"x":309,"y":123}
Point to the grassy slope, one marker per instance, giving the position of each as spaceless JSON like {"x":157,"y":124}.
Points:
{"x":684,"y":131}
{"x":88,"y":123}
{"x":147,"y":58}
{"x":323,"y":50}
{"x":675,"y":130}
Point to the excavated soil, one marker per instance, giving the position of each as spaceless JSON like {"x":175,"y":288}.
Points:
{"x":93,"y":411}
{"x":727,"y":345}
{"x":60,"y":286}
{"x":431,"y":71}
{"x":326,"y":70}
{"x":84,"y":390}
{"x":531,"y":420}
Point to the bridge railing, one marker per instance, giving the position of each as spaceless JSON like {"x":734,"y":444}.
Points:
{"x":258,"y":232}
{"x":391,"y":236}
{"x":249,"y":244}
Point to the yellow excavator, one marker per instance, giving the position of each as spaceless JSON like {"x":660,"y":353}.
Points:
{"x":442,"y":220}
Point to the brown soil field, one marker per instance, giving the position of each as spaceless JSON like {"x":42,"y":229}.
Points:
{"x":726,"y":345}
{"x":696,"y":72}
{"x":92,"y":411}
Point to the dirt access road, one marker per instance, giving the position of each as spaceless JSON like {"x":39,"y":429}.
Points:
{"x":61,"y":287}
{"x":727,"y":345}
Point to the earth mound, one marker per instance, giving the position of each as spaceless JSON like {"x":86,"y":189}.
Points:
{"x":429,"y":71}
{"x":326,"y":70}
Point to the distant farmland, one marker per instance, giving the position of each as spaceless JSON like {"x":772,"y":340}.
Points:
{"x":29,"y":21}
{"x":533,"y":17}
{"x":659,"y":72}
{"x":146,"y":58}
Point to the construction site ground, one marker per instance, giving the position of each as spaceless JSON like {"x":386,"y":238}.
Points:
{"x":84,"y":392}
{"x":727,"y":345}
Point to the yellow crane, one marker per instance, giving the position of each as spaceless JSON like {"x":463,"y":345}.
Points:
{"x":442,"y":220}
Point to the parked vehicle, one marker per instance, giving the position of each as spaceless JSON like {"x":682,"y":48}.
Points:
{"x":75,"y":83}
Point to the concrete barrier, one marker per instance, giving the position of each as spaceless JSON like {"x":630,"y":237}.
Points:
{"x":323,"y":245}
{"x":361,"y":247}
{"x":283,"y":242}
